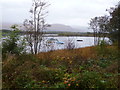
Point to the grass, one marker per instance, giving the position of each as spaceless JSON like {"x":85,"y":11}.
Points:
{"x":78,"y":68}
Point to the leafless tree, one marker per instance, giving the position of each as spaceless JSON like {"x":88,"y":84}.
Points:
{"x":36,"y":25}
{"x":99,"y":26}
{"x":94,"y":25}
{"x":70,"y":44}
{"x":103,"y":27}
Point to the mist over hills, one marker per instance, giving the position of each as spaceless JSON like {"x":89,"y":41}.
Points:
{"x":54,"y":27}
{"x":59,"y":27}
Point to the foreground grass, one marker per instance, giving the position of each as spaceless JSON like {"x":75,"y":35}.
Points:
{"x":90,"y":67}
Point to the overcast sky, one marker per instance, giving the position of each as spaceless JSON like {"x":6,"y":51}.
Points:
{"x":68,"y":12}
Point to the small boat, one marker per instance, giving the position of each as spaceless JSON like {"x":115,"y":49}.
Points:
{"x":79,"y":40}
{"x":60,"y":42}
{"x":51,"y":40}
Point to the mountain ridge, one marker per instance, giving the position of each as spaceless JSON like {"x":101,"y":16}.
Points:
{"x":54,"y":27}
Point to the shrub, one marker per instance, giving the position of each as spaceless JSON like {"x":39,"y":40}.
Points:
{"x":12,"y":42}
{"x":102,"y":48}
{"x":70,"y":44}
{"x":60,"y":70}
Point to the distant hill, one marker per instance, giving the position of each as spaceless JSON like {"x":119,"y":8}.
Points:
{"x":6,"y":26}
{"x":59,"y":27}
{"x":54,"y":27}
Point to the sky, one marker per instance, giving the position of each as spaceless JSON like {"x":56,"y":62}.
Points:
{"x":69,"y":12}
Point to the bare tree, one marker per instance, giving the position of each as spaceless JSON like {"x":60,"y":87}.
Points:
{"x":70,"y":44}
{"x":94,"y":25}
{"x":36,"y":25}
{"x":99,"y":26}
{"x":103,"y":27}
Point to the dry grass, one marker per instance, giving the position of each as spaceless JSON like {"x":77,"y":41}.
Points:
{"x":51,"y":66}
{"x":85,"y":53}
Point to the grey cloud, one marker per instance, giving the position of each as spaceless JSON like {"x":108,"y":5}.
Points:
{"x":70,"y":12}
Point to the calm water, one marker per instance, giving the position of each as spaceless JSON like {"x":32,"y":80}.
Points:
{"x":45,"y":46}
{"x":86,"y":41}
{"x":64,"y":42}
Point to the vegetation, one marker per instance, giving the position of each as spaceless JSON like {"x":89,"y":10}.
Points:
{"x":12,"y":43}
{"x":99,"y":26}
{"x":114,"y":24}
{"x":83,"y":68}
{"x":88,"y":34}
{"x":36,"y":25}
{"x":107,"y":24}
{"x":88,"y":67}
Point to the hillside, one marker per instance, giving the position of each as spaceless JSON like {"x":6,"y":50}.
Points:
{"x":53,"y":28}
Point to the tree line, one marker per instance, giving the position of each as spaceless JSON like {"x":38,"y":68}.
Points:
{"x":107,"y":24}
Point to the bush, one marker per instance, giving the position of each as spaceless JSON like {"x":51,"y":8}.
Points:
{"x":102,"y":48}
{"x":70,"y":44}
{"x":54,"y":70}
{"x":12,"y":42}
